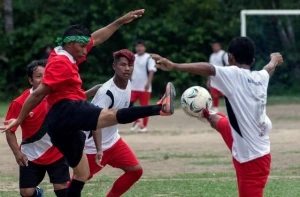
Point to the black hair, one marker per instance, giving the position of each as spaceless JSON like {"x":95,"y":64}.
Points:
{"x":76,"y":30}
{"x":32,"y":66}
{"x":140,"y":41}
{"x":215,"y":42}
{"x":242,"y":49}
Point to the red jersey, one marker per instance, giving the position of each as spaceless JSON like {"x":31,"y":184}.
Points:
{"x":40,"y":149}
{"x":61,"y":74}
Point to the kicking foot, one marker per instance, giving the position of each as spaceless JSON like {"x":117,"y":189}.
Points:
{"x":167,"y":101}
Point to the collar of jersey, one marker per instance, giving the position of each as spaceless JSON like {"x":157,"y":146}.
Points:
{"x":60,"y":51}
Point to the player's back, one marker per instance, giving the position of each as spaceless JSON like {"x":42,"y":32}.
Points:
{"x":109,"y":96}
{"x":246,"y":98}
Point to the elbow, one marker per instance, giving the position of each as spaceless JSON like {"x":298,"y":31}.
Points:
{"x":212,"y":71}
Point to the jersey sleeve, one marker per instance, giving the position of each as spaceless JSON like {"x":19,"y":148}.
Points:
{"x":151,"y":65}
{"x":88,"y":48}
{"x":13,"y":112}
{"x":225,"y":79}
{"x":56,"y":73}
{"x":103,"y":98}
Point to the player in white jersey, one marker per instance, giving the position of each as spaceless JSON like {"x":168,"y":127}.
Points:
{"x":245,"y":94}
{"x":115,"y":94}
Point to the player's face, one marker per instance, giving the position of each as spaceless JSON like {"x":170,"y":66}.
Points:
{"x":216,"y":47}
{"x":123,"y":69}
{"x":78,"y":50}
{"x":140,"y":49}
{"x":37,"y":77}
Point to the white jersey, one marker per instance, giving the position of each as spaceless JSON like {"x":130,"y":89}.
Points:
{"x":142,"y":65}
{"x":108,"y":96}
{"x":219,"y":58}
{"x":246,"y":97}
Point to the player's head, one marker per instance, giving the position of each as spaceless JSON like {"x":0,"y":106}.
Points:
{"x":216,"y":46}
{"x":241,"y":51}
{"x":123,"y":64}
{"x":140,"y":47}
{"x":35,"y":72}
{"x":75,"y":41}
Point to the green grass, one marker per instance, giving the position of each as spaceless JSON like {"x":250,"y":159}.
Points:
{"x":183,"y":185}
{"x":213,"y":162}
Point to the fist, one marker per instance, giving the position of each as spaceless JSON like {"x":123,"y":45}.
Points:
{"x":276,"y":58}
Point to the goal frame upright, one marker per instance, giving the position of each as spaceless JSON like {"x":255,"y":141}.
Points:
{"x":245,"y":13}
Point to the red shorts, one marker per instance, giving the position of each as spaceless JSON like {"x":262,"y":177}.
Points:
{"x":215,"y":92}
{"x":119,"y":155}
{"x":251,"y":176}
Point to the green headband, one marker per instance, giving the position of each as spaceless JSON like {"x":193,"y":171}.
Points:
{"x":81,"y":39}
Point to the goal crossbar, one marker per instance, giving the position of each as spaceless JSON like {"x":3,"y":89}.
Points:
{"x":244,"y":13}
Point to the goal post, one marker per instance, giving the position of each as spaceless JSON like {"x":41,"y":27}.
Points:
{"x":245,"y":13}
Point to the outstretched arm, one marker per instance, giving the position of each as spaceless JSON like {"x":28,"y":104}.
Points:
{"x":104,"y":33}
{"x":199,"y":68}
{"x":276,"y":60}
{"x":92,"y":92}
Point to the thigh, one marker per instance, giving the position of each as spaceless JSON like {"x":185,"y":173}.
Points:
{"x":31,"y":176}
{"x":94,"y":168}
{"x":122,"y":156}
{"x":134,"y":96}
{"x":253,"y":176}
{"x":58,"y":171}
{"x":73,"y":116}
{"x":223,"y":127}
{"x":70,"y":144}
{"x":145,"y":98}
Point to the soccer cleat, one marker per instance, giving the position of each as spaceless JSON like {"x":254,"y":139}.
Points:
{"x":39,"y":192}
{"x":167,"y":101}
{"x":143,"y":130}
{"x":135,"y":126}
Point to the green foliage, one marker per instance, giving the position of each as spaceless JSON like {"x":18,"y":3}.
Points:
{"x":180,"y":30}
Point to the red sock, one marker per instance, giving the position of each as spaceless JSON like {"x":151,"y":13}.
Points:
{"x":215,"y":101}
{"x":124,"y":182}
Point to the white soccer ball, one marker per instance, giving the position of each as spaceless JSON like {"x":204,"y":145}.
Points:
{"x":194,"y":100}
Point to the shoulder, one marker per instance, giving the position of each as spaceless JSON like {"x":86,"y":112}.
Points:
{"x":21,"y":99}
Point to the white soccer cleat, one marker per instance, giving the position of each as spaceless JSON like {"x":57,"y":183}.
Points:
{"x":143,"y":130}
{"x":135,"y":126}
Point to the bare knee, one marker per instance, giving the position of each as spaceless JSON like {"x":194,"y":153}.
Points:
{"x":107,"y":118}
{"x":27,"y":192}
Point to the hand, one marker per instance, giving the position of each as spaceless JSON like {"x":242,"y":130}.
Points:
{"x":98,"y":158}
{"x":162,"y":63}
{"x":147,"y":86}
{"x":276,"y":59}
{"x":21,"y":159}
{"x":9,"y":124}
{"x":130,"y":16}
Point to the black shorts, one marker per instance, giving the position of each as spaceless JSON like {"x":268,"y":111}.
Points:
{"x":65,"y":121}
{"x":32,"y":175}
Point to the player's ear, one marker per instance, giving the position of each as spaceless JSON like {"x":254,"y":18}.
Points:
{"x":114,"y":66}
{"x":30,"y":81}
{"x":253,"y":61}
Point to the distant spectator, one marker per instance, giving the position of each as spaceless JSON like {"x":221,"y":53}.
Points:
{"x":46,"y":52}
{"x":144,"y":68}
{"x":219,"y":58}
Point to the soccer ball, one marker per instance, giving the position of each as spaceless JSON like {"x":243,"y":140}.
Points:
{"x":194,"y":100}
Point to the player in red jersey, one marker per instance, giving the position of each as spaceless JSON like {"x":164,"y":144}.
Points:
{"x":69,"y":112}
{"x":36,"y":154}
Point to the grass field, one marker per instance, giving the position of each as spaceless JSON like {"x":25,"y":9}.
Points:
{"x":184,"y":157}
